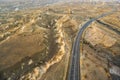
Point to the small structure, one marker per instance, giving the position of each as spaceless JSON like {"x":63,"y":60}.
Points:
{"x":16,"y":9}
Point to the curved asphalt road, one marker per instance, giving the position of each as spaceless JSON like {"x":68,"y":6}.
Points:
{"x":74,"y":67}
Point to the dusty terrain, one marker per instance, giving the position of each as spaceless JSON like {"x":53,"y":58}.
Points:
{"x":35,"y":44}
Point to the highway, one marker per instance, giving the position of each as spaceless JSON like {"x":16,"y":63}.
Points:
{"x":74,"y":64}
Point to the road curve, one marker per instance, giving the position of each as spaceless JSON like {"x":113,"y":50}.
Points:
{"x":74,"y":65}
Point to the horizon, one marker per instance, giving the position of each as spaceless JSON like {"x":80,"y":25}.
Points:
{"x":61,"y":0}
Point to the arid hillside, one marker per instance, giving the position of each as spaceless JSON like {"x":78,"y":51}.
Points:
{"x":36,"y":44}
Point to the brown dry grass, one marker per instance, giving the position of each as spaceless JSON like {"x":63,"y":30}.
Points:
{"x":113,"y":20}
